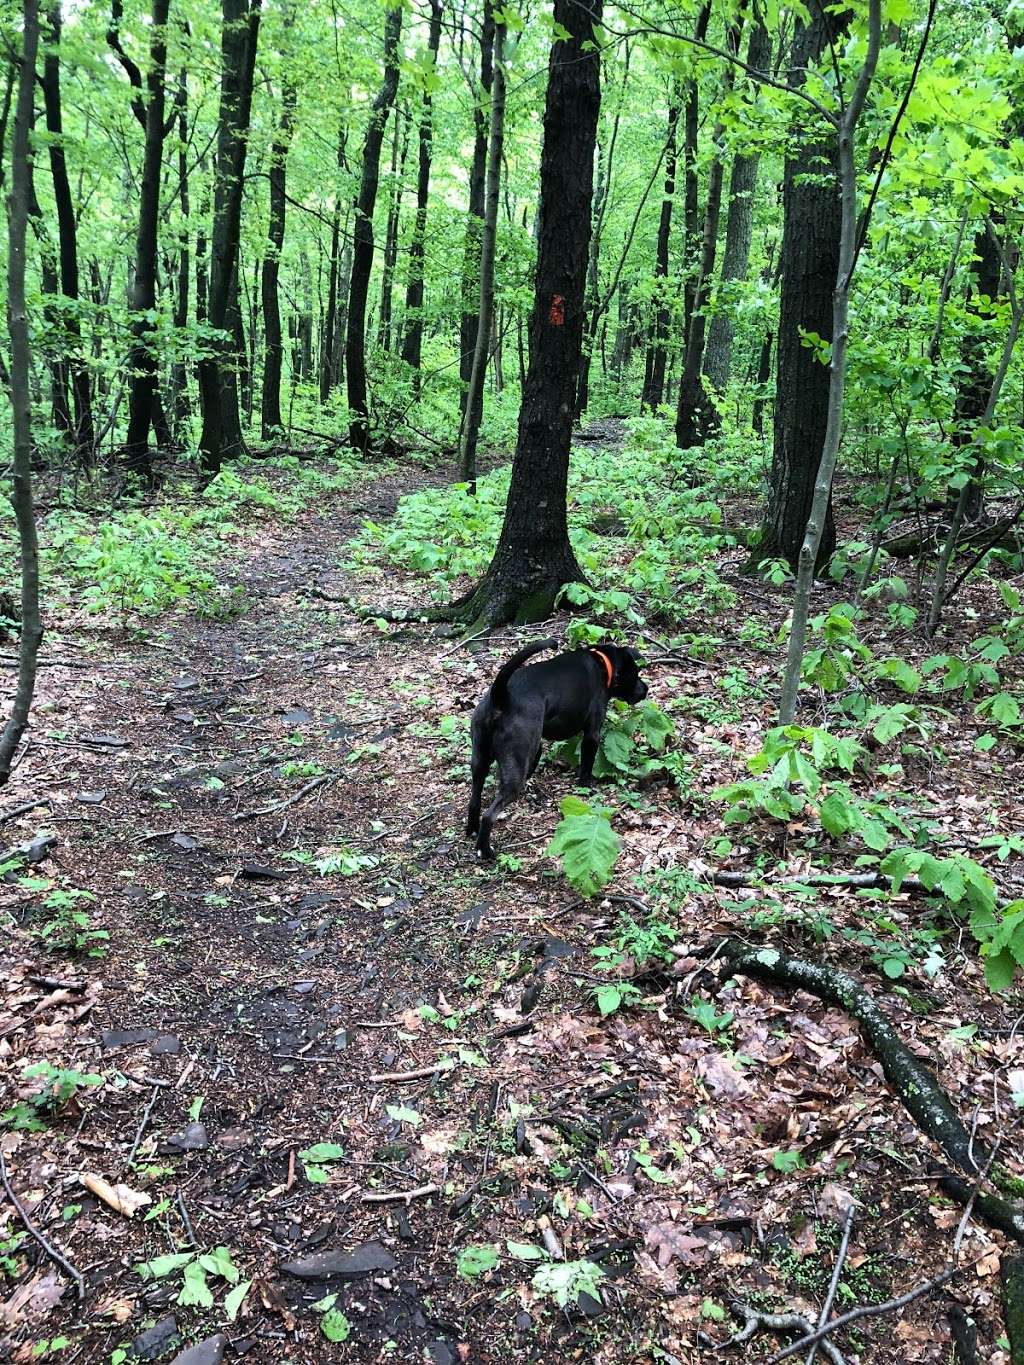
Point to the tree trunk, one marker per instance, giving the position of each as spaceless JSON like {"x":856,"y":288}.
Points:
{"x":49,"y":284}
{"x":475,"y":215}
{"x":362,"y":252}
{"x":221,"y":434}
{"x":812,"y":226}
{"x":696,"y":417}
{"x":142,"y":358}
{"x":534,"y":559}
{"x":83,"y":431}
{"x":270,"y":404}
{"x":412,"y":349}
{"x":179,"y":371}
{"x":738,"y":233}
{"x":821,"y":500}
{"x":327,"y":339}
{"x":691,"y":224}
{"x":485,"y":306}
{"x":341,"y":322}
{"x":305,"y":322}
{"x":399,"y":151}
{"x":17,"y":324}
{"x":654,"y":377}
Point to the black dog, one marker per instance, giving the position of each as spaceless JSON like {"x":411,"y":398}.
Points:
{"x":562,"y":697}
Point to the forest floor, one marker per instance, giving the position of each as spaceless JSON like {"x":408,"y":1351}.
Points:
{"x":249,"y":1011}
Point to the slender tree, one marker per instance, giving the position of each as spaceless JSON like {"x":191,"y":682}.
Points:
{"x":534,"y":559}
{"x":413,"y":345}
{"x":327,"y":341}
{"x":20,"y":386}
{"x":475,"y":213}
{"x":485,"y":307}
{"x":654,"y":371}
{"x":362,"y":251}
{"x":691,"y":178}
{"x":83,"y":431}
{"x":221,"y":436}
{"x":183,"y":274}
{"x":149,"y":111}
{"x":270,"y":407}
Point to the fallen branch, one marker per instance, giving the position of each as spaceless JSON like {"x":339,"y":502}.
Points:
{"x":917,"y":1088}
{"x":837,"y":1271}
{"x":757,"y":1321}
{"x":405,"y":1196}
{"x":36,"y":1235}
{"x":142,"y":1126}
{"x":382,"y":1076}
{"x":13,"y":811}
{"x":284,"y":804}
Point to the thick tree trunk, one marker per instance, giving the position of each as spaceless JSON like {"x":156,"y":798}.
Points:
{"x":812,"y":224}
{"x":485,"y":307}
{"x":534,"y":559}
{"x":475,"y":215}
{"x":738,"y":234}
{"x":221,"y":433}
{"x":21,"y":360}
{"x":412,"y":348}
{"x":142,"y":358}
{"x":654,"y":376}
{"x":270,"y":405}
{"x":362,"y":252}
{"x":83,"y":431}
{"x":696,"y":417}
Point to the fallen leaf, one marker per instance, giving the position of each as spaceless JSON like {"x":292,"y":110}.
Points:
{"x":669,"y":1243}
{"x":121,"y":1198}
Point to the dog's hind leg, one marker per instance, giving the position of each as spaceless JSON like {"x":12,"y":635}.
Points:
{"x":480,"y":766}
{"x":511,"y":779}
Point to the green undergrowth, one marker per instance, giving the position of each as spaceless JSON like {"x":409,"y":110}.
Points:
{"x":644,"y":539}
{"x":132,"y":562}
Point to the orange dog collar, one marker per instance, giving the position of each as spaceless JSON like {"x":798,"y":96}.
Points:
{"x":607,"y":665}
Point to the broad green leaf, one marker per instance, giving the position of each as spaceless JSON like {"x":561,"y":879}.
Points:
{"x":526,"y":1251}
{"x":335,"y":1325}
{"x":234,"y":1299}
{"x":473,"y":1262}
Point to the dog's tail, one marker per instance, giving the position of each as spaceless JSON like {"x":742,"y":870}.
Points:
{"x":499,"y":688}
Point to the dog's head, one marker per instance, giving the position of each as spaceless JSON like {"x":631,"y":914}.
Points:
{"x":627,"y":683}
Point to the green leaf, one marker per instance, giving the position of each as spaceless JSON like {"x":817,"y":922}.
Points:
{"x":894,"y":967}
{"x":402,"y":1114}
{"x":162,"y":1266}
{"x":837,"y":816}
{"x":1000,"y":969}
{"x":323,"y":1151}
{"x":473,"y":1262}
{"x":195,"y":1290}
{"x":219,"y":1262}
{"x":787,"y":1162}
{"x":234,"y":1299}
{"x":335,"y":1325}
{"x":587,"y":845}
{"x":565,"y":1281}
{"x":526,"y":1251}
{"x":609,"y":999}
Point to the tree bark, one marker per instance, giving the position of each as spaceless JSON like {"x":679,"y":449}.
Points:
{"x":738,"y":234}
{"x":691,"y":224}
{"x":485,"y":307}
{"x":412,"y":349}
{"x":270,"y":404}
{"x":362,"y":252}
{"x":399,"y":151}
{"x":654,"y":377}
{"x":534,"y":559}
{"x":17,"y":324}
{"x":221,"y":434}
{"x":142,"y":359}
{"x":83,"y":431}
{"x":327,"y":367}
{"x":809,"y":261}
{"x":821,"y":494}
{"x":696,"y":417}
{"x":475,"y":215}
{"x":179,"y":371}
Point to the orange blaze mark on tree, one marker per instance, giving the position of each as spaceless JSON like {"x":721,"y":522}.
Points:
{"x":557,"y":314}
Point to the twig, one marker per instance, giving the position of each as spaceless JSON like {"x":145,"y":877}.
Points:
{"x":142,"y":1126}
{"x":775,"y":1322}
{"x":837,"y":1271}
{"x":25,"y":806}
{"x":34,"y":1232}
{"x":292,"y":800}
{"x":418,"y":1074}
{"x":186,"y":1220}
{"x":406,"y":1196}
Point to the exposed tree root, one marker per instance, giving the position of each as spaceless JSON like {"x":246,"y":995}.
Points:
{"x":1012,"y":1272}
{"x":917,"y":1088}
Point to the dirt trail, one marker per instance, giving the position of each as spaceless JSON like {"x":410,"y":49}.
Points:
{"x":255,"y":1001}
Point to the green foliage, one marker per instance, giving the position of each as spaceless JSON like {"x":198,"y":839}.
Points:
{"x":475,"y":1261}
{"x":60,"y":1086}
{"x":586,"y":844}
{"x":197,"y":1270}
{"x":67,"y":927}
{"x":632,"y":746}
{"x":565,"y":1281}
